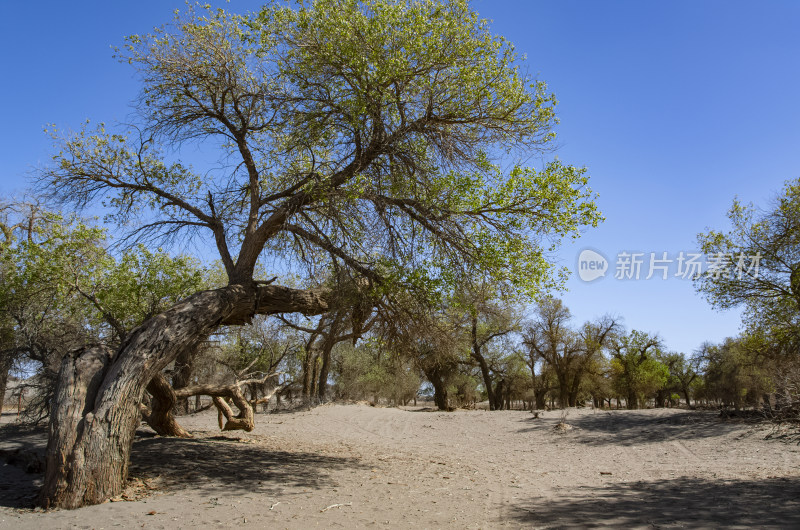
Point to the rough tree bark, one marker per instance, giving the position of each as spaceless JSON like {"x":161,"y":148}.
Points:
{"x":96,"y":409}
{"x":440,"y":397}
{"x":308,"y":363}
{"x":315,"y":376}
{"x":245,"y":420}
{"x":70,"y":451}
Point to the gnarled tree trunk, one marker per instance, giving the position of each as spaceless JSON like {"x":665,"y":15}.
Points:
{"x":96,"y":408}
{"x":245,"y":420}
{"x":73,"y":443}
{"x":160,"y":415}
{"x":440,"y":396}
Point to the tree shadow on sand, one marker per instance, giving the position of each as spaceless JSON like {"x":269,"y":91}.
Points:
{"x":208,"y":464}
{"x":635,"y":427}
{"x":677,"y":503}
{"x":231,"y":465}
{"x":21,"y":464}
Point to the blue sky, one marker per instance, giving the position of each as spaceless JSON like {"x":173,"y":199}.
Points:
{"x":674,"y":107}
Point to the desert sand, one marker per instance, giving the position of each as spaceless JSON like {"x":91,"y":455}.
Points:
{"x":356,"y":466}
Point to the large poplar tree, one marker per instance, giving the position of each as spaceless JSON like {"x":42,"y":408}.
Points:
{"x":376,"y":137}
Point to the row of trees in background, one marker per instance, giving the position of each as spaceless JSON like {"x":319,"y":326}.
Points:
{"x":545,"y":361}
{"x":765,"y":358}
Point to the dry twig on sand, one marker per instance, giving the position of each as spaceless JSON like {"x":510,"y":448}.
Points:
{"x":336,"y":506}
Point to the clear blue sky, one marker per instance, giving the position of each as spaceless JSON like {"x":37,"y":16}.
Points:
{"x":674,"y":107}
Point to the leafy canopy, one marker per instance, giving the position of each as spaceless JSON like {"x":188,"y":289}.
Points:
{"x":370,"y":135}
{"x":63,"y":272}
{"x":770,"y":292}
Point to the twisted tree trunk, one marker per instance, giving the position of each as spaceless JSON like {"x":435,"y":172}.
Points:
{"x":245,"y":420}
{"x":160,"y":415}
{"x":97,"y":402}
{"x":436,"y":376}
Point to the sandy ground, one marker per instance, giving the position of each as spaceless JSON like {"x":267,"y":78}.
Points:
{"x":355,"y":466}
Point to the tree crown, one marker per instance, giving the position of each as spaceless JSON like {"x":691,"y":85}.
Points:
{"x":369,"y":135}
